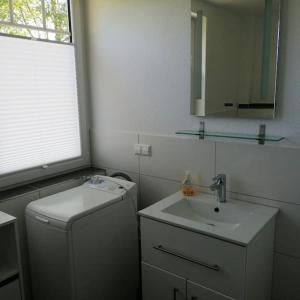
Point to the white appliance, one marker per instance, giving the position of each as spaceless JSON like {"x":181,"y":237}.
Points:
{"x":83,"y":242}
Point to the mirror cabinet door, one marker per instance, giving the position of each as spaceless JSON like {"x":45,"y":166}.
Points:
{"x":234,"y":55}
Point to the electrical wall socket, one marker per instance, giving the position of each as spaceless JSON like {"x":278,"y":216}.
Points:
{"x":142,"y":149}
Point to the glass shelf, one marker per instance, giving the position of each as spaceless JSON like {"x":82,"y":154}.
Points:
{"x":252,"y":137}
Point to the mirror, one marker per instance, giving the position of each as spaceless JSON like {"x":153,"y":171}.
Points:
{"x":234,"y":47}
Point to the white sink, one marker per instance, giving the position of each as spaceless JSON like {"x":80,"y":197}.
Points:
{"x":234,"y":220}
{"x":206,"y":211}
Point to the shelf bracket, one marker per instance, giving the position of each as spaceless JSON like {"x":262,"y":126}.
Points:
{"x":201,"y":130}
{"x":262,"y":134}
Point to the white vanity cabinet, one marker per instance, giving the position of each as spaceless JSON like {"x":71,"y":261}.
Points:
{"x":10,"y":291}
{"x":162,"y":285}
{"x":179,"y":263}
{"x":198,"y":292}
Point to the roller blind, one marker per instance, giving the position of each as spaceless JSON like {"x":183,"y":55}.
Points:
{"x":39,"y":115}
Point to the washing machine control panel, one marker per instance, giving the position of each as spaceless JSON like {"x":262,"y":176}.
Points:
{"x":107,"y":185}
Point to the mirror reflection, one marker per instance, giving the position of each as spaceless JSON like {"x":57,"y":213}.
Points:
{"x":234,"y":57}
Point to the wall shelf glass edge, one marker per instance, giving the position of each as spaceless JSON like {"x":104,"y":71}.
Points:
{"x":250,"y":137}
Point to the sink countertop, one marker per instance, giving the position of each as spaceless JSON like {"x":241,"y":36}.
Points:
{"x":241,"y":227}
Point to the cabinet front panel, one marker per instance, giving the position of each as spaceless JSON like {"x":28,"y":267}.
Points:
{"x":213,"y":263}
{"x":11,"y":291}
{"x":198,"y":292}
{"x":162,"y":285}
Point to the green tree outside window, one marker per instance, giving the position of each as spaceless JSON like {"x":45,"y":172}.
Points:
{"x":41,"y":19}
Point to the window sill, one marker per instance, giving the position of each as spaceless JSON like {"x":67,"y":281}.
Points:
{"x":73,"y":178}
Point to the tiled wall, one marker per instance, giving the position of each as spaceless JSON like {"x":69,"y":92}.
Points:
{"x":266,"y":175}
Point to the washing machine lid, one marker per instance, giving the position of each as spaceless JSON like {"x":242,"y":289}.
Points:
{"x":74,"y":203}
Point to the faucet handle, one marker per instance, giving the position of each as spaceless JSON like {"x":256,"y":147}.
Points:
{"x":220,"y":177}
{"x":215,"y":178}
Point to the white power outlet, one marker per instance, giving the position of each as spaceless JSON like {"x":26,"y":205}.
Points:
{"x":142,"y":149}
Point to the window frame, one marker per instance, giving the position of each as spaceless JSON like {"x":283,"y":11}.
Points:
{"x":23,"y":177}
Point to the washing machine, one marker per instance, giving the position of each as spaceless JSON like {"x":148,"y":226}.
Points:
{"x":83,"y":242}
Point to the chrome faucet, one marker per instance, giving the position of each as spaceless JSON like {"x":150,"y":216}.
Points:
{"x":219,"y":185}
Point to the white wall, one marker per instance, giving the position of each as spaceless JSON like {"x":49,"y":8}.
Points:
{"x":139,"y":53}
{"x":139,"y":67}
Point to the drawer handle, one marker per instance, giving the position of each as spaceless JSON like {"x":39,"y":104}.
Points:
{"x":193,"y":260}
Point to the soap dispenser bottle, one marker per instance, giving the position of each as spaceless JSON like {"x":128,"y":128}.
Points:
{"x":187,"y":188}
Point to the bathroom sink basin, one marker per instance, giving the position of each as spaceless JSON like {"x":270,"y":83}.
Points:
{"x":235,"y":221}
{"x":207,"y":212}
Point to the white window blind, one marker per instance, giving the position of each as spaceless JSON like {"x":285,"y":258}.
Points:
{"x":39,"y":115}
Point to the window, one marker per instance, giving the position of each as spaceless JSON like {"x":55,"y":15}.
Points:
{"x":39,"y":107}
{"x":39,"y":19}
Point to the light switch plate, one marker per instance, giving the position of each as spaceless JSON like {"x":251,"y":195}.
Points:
{"x":142,"y":149}
{"x":146,"y":150}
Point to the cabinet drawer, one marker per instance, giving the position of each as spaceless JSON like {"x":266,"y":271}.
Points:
{"x":10,"y":291}
{"x":214,"y":263}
